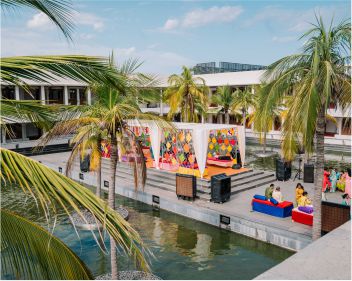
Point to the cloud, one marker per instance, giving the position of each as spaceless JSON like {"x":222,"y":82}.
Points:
{"x":202,"y":17}
{"x":296,"y":20}
{"x":88,"y":19}
{"x":170,"y":24}
{"x":40,"y":21}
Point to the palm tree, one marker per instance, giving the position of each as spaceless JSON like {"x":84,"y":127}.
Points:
{"x":264,"y":115}
{"x":314,"y":77}
{"x":51,"y":189}
{"x":225,"y":99}
{"x":186,"y":94}
{"x":107,"y":119}
{"x":243,"y":100}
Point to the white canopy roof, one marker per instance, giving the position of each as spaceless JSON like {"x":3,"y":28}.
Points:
{"x":200,"y":134}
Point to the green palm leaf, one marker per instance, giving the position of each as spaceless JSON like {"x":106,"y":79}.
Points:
{"x":28,"y":251}
{"x":52,"y":189}
{"x":47,"y":69}
{"x":58,"y":11}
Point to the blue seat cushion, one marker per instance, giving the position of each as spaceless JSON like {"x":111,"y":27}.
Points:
{"x":259,"y":197}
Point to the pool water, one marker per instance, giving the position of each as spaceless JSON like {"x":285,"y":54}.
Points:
{"x":183,"y":248}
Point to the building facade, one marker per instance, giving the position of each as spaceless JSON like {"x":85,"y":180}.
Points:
{"x":70,"y":92}
{"x":61,"y":91}
{"x":211,"y":67}
{"x":337,"y":134}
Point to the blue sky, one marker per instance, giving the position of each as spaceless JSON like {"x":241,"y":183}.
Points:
{"x":169,"y":34}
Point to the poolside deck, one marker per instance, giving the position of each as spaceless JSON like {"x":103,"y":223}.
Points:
{"x":279,"y":231}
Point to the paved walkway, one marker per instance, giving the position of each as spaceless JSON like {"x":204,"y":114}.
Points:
{"x":328,"y":258}
{"x":239,"y":206}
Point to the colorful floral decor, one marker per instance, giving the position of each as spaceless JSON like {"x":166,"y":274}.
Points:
{"x":222,"y":142}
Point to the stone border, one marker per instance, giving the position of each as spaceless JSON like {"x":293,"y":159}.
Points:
{"x":90,"y":223}
{"x":130,"y":275}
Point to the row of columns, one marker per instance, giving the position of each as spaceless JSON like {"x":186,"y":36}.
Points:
{"x":66,"y":95}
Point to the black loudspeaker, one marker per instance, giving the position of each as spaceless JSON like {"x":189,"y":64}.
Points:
{"x":239,"y":161}
{"x":283,"y":170}
{"x":85,"y":163}
{"x":308,"y":175}
{"x":220,"y":188}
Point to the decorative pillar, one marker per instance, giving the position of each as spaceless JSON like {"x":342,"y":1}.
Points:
{"x":42,"y":94}
{"x":161,"y":103}
{"x":17,"y":93}
{"x":65,"y":95}
{"x":339,"y":126}
{"x":3,"y":135}
{"x":78,"y":97}
{"x":89,"y":97}
{"x":24,"y":133}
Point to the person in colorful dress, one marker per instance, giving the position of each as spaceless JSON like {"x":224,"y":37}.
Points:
{"x":299,"y":192}
{"x":340,"y":185}
{"x":304,"y":200}
{"x":333,"y":180}
{"x":348,"y":186}
{"x":326,"y":184}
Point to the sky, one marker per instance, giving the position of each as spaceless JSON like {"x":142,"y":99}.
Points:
{"x":165,"y":35}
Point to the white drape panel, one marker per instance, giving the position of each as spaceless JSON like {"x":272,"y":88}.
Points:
{"x":155,"y":139}
{"x":200,"y":145}
{"x":242,"y":143}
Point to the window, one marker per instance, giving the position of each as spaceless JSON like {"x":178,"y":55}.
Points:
{"x":8,"y":92}
{"x":277,"y":124}
{"x":55,"y":95}
{"x":346,"y":126}
{"x":72,"y":96}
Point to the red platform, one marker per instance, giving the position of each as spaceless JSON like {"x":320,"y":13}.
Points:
{"x":301,"y":217}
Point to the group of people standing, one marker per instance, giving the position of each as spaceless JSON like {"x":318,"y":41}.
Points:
{"x":334,"y":180}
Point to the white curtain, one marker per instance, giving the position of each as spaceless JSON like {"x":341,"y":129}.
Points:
{"x":200,"y":145}
{"x":155,"y":139}
{"x":241,"y":143}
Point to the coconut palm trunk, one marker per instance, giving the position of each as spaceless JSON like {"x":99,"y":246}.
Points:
{"x":264,"y":143}
{"x":227,"y":117}
{"x":98,"y":190}
{"x":111,"y":202}
{"x":319,"y":171}
{"x":244,"y":122}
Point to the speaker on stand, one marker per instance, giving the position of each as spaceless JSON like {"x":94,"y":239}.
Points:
{"x":308,"y":174}
{"x":283,"y":170}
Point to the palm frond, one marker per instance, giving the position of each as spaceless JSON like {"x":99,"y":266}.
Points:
{"x":52,"y":189}
{"x":46,"y":69}
{"x":59,"y":12}
{"x":28,"y":251}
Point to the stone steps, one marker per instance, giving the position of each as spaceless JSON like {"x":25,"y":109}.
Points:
{"x":166,"y":180}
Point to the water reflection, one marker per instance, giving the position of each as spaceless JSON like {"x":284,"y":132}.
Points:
{"x":183,"y":248}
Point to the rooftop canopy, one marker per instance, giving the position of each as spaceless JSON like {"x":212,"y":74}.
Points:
{"x":200,"y":136}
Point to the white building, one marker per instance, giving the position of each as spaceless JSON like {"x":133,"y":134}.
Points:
{"x":60,"y":91}
{"x":70,"y":92}
{"x":337,"y":136}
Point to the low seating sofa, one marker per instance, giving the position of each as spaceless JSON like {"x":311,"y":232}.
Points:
{"x":302,"y":217}
{"x":220,"y":163}
{"x":281,"y":210}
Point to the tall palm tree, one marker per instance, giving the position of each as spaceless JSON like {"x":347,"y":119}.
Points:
{"x":50,"y":188}
{"x":107,"y":119}
{"x":264,"y":115}
{"x":225,"y":99}
{"x":320,"y":73}
{"x":185,"y":94}
{"x":243,"y":100}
